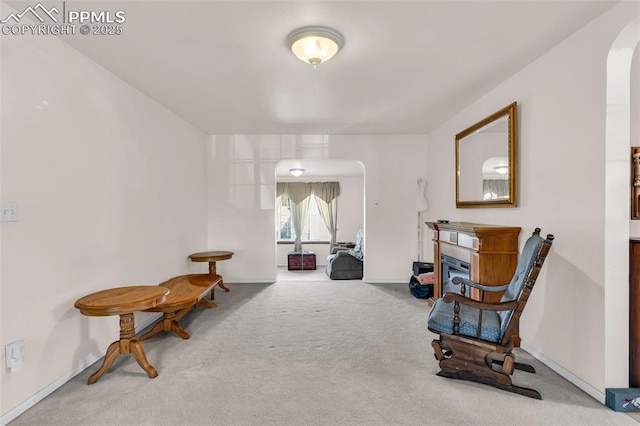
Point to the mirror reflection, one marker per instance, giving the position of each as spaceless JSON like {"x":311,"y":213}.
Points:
{"x":486,"y":162}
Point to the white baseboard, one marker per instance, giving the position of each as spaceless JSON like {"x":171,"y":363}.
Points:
{"x":47,"y":390}
{"x":586,"y":387}
{"x":384,"y":281}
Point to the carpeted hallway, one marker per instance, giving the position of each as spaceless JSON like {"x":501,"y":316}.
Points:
{"x":307,"y":353}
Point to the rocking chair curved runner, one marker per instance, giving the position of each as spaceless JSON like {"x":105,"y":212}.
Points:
{"x":476,"y":338}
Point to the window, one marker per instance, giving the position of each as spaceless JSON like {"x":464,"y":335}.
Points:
{"x":314,"y":227}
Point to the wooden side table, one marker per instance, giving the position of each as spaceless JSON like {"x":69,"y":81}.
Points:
{"x":212,"y":257}
{"x":123,"y":301}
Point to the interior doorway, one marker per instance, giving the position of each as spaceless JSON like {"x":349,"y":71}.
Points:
{"x":621,"y":85}
{"x":315,"y":238}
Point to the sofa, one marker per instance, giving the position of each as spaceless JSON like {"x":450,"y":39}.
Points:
{"x":346,"y":264}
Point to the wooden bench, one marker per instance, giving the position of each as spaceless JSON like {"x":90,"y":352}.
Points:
{"x":186,"y":292}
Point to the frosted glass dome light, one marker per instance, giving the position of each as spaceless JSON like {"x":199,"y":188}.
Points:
{"x":315,"y":45}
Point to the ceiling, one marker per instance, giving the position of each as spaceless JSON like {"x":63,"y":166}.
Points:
{"x":319,"y":168}
{"x":405,"y":68}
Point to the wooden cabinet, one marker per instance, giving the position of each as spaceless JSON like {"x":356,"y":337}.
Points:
{"x":490,"y":252}
{"x":634,"y":315}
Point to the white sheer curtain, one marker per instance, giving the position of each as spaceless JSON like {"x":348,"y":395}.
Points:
{"x":298,"y":193}
{"x":495,"y":189}
{"x":326,"y":194}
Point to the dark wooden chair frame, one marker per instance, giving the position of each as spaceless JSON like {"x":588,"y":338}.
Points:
{"x":473,"y":359}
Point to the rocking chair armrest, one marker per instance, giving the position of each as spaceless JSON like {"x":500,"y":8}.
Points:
{"x":502,"y":306}
{"x":464,"y":281}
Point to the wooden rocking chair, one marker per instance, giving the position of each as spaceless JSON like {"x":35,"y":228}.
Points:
{"x":476,"y":338}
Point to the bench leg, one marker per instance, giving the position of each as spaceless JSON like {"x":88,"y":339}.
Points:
{"x":206,"y":303}
{"x":157,"y":328}
{"x":169,"y":322}
{"x":175,"y":327}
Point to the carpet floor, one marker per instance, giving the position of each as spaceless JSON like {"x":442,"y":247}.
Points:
{"x":308,"y":353}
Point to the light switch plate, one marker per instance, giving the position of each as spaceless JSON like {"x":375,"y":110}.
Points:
{"x":14,"y":355}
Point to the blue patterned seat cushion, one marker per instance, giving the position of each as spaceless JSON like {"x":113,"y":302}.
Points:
{"x":440,"y":320}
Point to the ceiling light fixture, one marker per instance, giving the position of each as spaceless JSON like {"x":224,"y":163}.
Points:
{"x":502,"y":170}
{"x":315,"y":45}
{"x":296,"y":171}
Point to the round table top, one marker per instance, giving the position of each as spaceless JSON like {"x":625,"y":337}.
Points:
{"x":121,"y":300}
{"x":211,"y":256}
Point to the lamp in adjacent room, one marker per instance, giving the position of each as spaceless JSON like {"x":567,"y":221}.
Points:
{"x":315,"y":45}
{"x":296,"y":171}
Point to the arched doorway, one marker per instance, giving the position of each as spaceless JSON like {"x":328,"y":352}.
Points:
{"x":617,"y":204}
{"x":351,"y":209}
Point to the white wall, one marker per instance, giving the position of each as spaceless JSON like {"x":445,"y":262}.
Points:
{"x":241,"y":177}
{"x":393,"y":164}
{"x":111,"y":192}
{"x":350,"y":217}
{"x":561,"y":101}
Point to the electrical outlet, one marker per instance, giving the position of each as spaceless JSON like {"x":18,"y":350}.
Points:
{"x":9,"y":212}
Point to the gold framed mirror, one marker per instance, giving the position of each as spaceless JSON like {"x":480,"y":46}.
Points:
{"x":486,"y":161}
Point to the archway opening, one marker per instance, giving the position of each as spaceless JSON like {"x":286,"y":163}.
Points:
{"x":315,"y":238}
{"x":617,"y":204}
